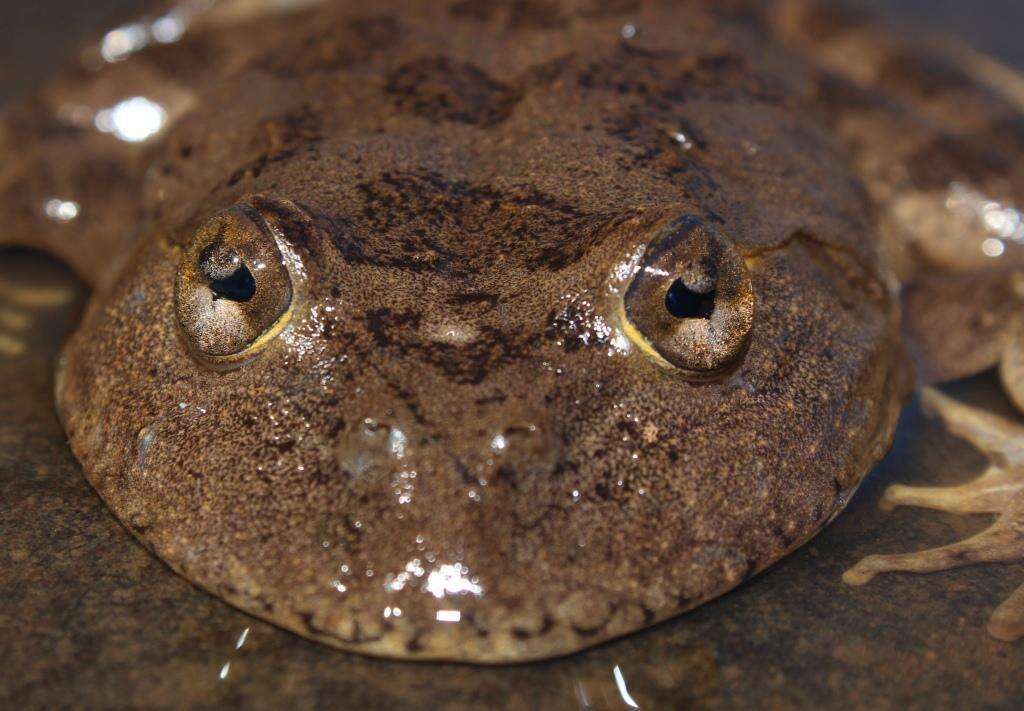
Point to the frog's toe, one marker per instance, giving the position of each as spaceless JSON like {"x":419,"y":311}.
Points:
{"x":1007,"y":622}
{"x":863,"y":572}
{"x":999,"y":544}
{"x":999,"y":490}
{"x":997,"y":437}
{"x":986,"y":494}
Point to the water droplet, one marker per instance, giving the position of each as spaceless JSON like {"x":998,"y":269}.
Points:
{"x":61,"y":210}
{"x":132,"y":120}
{"x":1002,"y":221}
{"x":122,"y":42}
{"x":167,"y":29}
{"x":499,"y":443}
{"x":620,"y":683}
{"x":993,"y":247}
{"x":683,"y":140}
{"x":448,"y":616}
{"x":397,"y":442}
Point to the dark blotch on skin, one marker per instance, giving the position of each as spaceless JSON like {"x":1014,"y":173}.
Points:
{"x":442,"y":89}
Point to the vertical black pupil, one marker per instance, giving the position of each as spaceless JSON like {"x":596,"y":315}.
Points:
{"x":237,"y":286}
{"x":683,"y":302}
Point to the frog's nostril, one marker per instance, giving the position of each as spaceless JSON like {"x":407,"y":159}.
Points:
{"x":527,"y":450}
{"x":371,"y":445}
{"x":450,"y":331}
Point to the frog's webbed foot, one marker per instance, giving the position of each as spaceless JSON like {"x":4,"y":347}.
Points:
{"x":999,"y":490}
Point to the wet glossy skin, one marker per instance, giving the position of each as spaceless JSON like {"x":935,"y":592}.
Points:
{"x":449,"y":416}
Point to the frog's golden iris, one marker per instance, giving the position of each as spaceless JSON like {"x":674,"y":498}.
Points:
{"x":691,"y":304}
{"x":233,"y":293}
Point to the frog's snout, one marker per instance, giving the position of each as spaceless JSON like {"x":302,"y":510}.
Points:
{"x":508,"y":449}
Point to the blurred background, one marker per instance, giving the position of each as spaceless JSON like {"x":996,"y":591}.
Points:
{"x":36,"y":34}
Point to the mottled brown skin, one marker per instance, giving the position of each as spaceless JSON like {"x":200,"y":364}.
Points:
{"x":462,"y":191}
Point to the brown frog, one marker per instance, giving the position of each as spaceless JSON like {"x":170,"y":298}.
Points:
{"x":483,"y":331}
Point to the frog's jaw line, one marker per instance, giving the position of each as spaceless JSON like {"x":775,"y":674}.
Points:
{"x":394,"y":645}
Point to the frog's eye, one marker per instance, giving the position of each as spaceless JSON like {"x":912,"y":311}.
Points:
{"x":233,"y":292}
{"x":691,"y":302}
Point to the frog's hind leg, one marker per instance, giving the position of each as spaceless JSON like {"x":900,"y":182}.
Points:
{"x":935,"y":133}
{"x":1000,"y":543}
{"x":986,"y":494}
{"x":74,"y":158}
{"x":1003,"y":542}
{"x":999,"y":439}
{"x":999,"y":490}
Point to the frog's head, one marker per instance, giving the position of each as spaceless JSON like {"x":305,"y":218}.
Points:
{"x":435,"y":366}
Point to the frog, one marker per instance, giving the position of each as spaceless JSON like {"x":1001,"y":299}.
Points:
{"x":482,"y":331}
